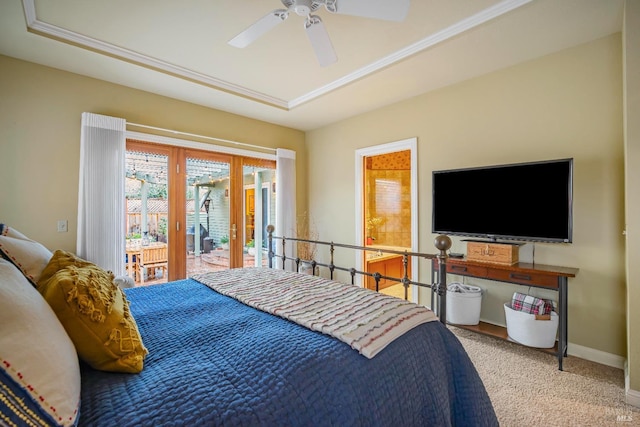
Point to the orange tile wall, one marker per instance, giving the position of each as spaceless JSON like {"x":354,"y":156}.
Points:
{"x":388,"y":196}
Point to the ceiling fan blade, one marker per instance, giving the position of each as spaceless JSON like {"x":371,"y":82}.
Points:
{"x":259,"y":28}
{"x":388,"y":10}
{"x":320,"y":40}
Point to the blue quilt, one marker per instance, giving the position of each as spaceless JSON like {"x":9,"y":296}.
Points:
{"x":214,"y":361}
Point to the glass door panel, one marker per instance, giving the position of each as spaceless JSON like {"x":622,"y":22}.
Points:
{"x":258,"y":209}
{"x":147,"y":201}
{"x":207,"y":213}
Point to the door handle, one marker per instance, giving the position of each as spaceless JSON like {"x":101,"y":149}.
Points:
{"x":234,"y":230}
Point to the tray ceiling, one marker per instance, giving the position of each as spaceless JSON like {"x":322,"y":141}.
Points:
{"x":180,"y":49}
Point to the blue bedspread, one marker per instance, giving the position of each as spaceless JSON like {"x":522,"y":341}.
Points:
{"x":215,"y":361}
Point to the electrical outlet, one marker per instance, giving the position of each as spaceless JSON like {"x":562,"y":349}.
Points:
{"x":62,"y":226}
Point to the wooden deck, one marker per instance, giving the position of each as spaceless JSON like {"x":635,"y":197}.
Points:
{"x":213,"y":261}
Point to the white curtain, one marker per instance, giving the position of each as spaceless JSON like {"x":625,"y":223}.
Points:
{"x":101,"y":211}
{"x":285,"y":201}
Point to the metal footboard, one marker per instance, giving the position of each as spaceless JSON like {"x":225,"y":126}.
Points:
{"x":442,"y":243}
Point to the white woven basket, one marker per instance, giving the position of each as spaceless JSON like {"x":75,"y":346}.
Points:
{"x":464,"y":308}
{"x":523,"y":328}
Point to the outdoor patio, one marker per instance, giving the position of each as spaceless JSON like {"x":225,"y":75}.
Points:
{"x":213,"y":261}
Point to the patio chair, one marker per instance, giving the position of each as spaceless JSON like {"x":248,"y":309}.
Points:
{"x":152,"y":257}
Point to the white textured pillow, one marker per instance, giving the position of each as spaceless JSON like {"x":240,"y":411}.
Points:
{"x":26,"y":254}
{"x":124,"y":282}
{"x":39,"y":370}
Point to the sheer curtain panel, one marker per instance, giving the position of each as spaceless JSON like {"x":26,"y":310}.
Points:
{"x":101,"y":211}
{"x":285,"y":200}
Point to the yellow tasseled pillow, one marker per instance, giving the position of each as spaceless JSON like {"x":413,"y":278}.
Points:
{"x":95,"y":313}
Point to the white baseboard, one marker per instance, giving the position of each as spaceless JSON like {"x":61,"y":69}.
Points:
{"x":588,"y":353}
{"x":597,"y":356}
{"x":632,"y":397}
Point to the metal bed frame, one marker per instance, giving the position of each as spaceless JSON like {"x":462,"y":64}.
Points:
{"x":442,"y":243}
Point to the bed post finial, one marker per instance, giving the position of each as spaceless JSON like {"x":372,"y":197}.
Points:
{"x":443,"y":244}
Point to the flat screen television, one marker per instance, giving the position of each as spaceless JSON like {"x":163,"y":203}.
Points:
{"x":525,"y":201}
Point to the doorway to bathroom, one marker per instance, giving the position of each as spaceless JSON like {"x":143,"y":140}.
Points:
{"x":387,"y":212}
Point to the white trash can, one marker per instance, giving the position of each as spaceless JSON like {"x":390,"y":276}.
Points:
{"x":463,"y":304}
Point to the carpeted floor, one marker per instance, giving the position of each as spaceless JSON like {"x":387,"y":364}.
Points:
{"x":527,"y":389}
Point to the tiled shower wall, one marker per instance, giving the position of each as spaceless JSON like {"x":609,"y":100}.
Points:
{"x":388,"y":197}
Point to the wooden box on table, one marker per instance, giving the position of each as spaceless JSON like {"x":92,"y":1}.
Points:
{"x":497,"y":253}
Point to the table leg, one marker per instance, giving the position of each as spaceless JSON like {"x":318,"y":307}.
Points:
{"x":562,"y":327}
{"x":130,"y":266}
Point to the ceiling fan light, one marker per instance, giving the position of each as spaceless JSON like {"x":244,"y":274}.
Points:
{"x":302,"y":7}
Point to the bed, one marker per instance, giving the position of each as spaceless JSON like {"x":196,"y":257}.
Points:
{"x":212,"y":359}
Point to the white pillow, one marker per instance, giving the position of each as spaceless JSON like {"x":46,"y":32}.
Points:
{"x":26,"y":254}
{"x":39,"y":370}
{"x":124,"y":282}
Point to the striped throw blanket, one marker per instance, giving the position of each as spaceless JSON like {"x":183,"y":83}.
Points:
{"x":366,"y":320}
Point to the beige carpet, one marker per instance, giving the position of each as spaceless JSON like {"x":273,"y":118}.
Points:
{"x":527,"y":389}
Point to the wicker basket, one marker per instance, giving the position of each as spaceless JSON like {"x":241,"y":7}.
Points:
{"x":523,"y":328}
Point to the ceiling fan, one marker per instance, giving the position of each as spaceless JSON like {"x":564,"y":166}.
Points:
{"x":388,"y":10}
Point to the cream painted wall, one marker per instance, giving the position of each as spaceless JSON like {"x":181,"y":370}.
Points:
{"x":631,"y":46}
{"x":565,"y":105}
{"x":40,"y":110}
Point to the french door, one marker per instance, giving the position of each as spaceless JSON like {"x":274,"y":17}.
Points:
{"x":210,"y":212}
{"x":195,"y":202}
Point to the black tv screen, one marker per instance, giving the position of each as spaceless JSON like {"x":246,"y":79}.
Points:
{"x":524,"y":201}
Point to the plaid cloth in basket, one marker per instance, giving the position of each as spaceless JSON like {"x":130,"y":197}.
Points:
{"x":531,"y":304}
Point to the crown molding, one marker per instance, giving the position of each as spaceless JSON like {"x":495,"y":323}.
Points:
{"x":36,"y":26}
{"x":430,"y":41}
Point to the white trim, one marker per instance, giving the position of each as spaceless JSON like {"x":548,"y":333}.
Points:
{"x":195,"y":135}
{"x":48,"y":30}
{"x":586,"y":353}
{"x":283,"y":152}
{"x":184,"y":143}
{"x":594,"y":355}
{"x":632,"y":397}
{"x":430,"y":41}
{"x":77,"y":39}
{"x":391,"y":147}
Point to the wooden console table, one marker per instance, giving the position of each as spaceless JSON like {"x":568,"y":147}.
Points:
{"x":526,"y":274}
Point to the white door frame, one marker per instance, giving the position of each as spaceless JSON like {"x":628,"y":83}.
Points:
{"x":410,"y":144}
